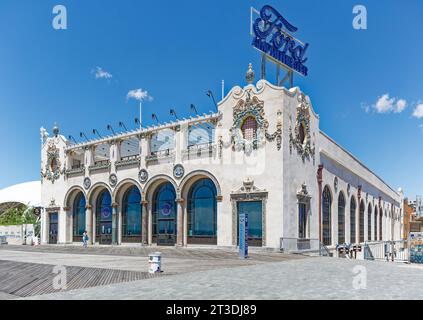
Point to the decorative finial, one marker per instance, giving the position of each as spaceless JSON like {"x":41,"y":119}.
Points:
{"x":43,"y":135}
{"x":56,"y":130}
{"x":250,"y":74}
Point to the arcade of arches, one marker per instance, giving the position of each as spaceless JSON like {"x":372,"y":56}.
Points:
{"x":158,"y":221}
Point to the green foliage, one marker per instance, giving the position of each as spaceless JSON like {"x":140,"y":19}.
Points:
{"x":18,"y":216}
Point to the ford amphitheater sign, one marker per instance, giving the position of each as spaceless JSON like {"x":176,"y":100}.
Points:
{"x":273,"y":36}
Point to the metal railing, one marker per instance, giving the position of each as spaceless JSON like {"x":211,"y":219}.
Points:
{"x":129,"y":158}
{"x":395,"y":251}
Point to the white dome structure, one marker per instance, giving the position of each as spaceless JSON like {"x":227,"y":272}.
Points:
{"x":28,"y":194}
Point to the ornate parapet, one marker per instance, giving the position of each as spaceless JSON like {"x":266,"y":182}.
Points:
{"x":200,"y":151}
{"x":127,"y":162}
{"x":101,"y":165}
{"x":75,"y":171}
{"x":160,"y":156}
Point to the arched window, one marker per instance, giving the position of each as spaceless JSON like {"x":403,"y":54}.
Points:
{"x":375,"y":222}
{"x":53,"y":165}
{"x":326,"y":216}
{"x":249,"y":128}
{"x":104,"y":218}
{"x":380,"y":223}
{"x":78,"y":217}
{"x":302,"y":133}
{"x":369,"y":223}
{"x":164,"y":215}
{"x":131,"y":215}
{"x":202,"y":213}
{"x":341,"y":218}
{"x":361,"y":221}
{"x":353,"y":208}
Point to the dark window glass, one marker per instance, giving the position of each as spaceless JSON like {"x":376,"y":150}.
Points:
{"x":104,"y":213}
{"x":326,"y":216}
{"x":380,"y":224}
{"x":164,"y":210}
{"x":361,"y":220}
{"x":302,"y":133}
{"x":302,"y":221}
{"x":375,"y":217}
{"x":202,"y":209}
{"x":341,"y":218}
{"x":369,"y":223}
{"x":79,"y":215}
{"x":255,"y":218}
{"x":131,"y":216}
{"x":353,"y":208}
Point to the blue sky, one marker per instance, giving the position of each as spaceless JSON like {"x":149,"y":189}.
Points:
{"x":177,"y":50}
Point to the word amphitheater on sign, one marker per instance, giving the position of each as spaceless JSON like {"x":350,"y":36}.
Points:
{"x":272,"y":37}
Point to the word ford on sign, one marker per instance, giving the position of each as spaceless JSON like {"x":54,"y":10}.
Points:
{"x":272,"y":38}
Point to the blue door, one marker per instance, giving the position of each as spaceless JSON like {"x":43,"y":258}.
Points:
{"x":255,"y":222}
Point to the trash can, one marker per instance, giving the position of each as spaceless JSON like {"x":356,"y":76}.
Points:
{"x":155,"y":262}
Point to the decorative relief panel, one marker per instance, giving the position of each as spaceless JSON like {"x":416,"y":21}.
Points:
{"x":300,"y":138}
{"x":253,"y":107}
{"x":53,"y":166}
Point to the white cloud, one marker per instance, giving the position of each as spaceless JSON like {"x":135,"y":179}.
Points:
{"x":139,"y":95}
{"x":418,"y":111}
{"x":101,"y":74}
{"x":401,"y":105}
{"x":386,"y":104}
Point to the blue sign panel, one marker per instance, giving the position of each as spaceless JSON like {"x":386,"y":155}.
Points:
{"x":243,"y":235}
{"x":272,"y":37}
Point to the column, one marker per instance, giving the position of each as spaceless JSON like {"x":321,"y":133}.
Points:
{"x":319,"y":183}
{"x":45,"y":224}
{"x":144,"y":222}
{"x":69,"y":225}
{"x":89,"y":223}
{"x":150,"y":224}
{"x":180,"y":222}
{"x":114,"y":223}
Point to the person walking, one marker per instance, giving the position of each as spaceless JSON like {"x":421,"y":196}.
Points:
{"x":85,"y":239}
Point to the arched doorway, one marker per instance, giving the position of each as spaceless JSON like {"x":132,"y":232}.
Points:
{"x":164,"y":215}
{"x":202,"y":213}
{"x":326,"y":216}
{"x":353,"y":208}
{"x":78,"y":217}
{"x":341,"y":218}
{"x":104,"y":218}
{"x":132,"y":216}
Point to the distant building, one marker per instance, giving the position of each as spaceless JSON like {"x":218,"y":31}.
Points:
{"x":20,"y":195}
{"x":415,"y":222}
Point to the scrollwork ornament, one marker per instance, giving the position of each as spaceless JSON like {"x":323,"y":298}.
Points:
{"x":52,"y":168}
{"x":300,"y":138}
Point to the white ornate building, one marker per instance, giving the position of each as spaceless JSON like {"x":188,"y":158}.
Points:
{"x":184,"y":183}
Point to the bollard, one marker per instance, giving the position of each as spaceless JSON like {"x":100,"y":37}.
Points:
{"x":155,"y":262}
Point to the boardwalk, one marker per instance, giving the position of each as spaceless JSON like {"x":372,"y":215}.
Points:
{"x":27,"y":271}
{"x":20,"y":279}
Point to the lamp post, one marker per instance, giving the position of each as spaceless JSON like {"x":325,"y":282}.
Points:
{"x":210,"y":95}
{"x":82,"y":135}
